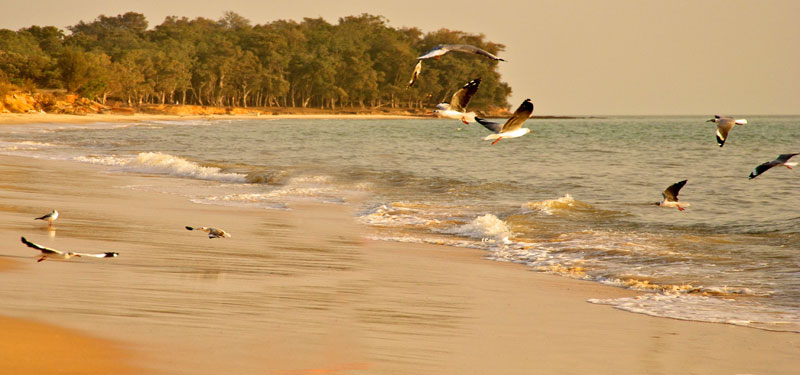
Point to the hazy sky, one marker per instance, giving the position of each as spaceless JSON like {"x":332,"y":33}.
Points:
{"x":570,"y":57}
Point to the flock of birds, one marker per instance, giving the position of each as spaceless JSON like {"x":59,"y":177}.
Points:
{"x":48,"y":253}
{"x":724,"y":126}
{"x":456,"y":109}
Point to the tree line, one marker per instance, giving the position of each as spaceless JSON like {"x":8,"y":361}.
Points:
{"x":359,"y":61}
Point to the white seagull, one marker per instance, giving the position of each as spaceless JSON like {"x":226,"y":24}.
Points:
{"x":50,"y":218}
{"x":783,"y":159}
{"x":724,"y":125}
{"x":212,"y":232}
{"x":513,"y":127}
{"x":671,"y":196}
{"x":438,"y":51}
{"x":457,"y":108}
{"x":48,"y":253}
{"x":442,"y":49}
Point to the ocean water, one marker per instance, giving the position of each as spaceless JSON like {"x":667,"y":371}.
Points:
{"x":572,"y":198}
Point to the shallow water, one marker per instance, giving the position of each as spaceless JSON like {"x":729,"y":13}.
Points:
{"x":574,"y":197}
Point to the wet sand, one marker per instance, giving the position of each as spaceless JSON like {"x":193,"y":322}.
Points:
{"x":302,"y":292}
{"x":34,"y":348}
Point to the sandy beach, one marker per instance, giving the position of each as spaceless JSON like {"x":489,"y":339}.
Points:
{"x":328,"y":300}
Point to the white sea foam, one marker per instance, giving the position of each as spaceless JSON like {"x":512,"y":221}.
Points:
{"x":487,"y":226}
{"x":395,"y":214}
{"x":25,"y":146}
{"x":159,"y":163}
{"x":314,"y":188}
{"x":109,"y":160}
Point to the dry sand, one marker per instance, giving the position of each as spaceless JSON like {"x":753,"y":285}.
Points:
{"x":301,"y":292}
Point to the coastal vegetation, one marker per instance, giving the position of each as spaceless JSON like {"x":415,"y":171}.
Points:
{"x":360,"y":61}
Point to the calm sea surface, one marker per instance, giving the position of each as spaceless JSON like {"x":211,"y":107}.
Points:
{"x":573,"y":198}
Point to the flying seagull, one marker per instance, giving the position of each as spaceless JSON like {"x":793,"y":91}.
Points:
{"x":457,"y":108}
{"x":415,"y":74}
{"x":50,"y":218}
{"x":513,"y":127}
{"x":724,"y":125}
{"x":442,"y":49}
{"x":671,"y":196}
{"x":783,"y":159}
{"x":48,"y":253}
{"x":212,"y":232}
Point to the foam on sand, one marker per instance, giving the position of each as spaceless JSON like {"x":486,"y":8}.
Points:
{"x":705,"y":309}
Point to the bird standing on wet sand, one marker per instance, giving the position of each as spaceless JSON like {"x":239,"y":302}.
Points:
{"x":212,"y":232}
{"x":671,"y":196}
{"x":50,"y":218}
{"x":783,"y":159}
{"x":48,"y":253}
{"x":724,"y":125}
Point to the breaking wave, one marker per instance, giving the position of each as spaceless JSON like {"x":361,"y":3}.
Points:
{"x":159,"y":163}
{"x":484,"y":227}
{"x":552,"y":206}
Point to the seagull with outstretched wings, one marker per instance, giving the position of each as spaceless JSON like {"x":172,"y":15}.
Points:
{"x":513,"y":127}
{"x":671,"y":196}
{"x":48,"y":253}
{"x":438,"y":51}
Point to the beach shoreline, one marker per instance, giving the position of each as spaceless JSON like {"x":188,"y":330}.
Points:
{"x":38,"y":118}
{"x":335,"y":300}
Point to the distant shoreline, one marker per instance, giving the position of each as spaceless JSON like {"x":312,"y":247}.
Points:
{"x":33,"y":118}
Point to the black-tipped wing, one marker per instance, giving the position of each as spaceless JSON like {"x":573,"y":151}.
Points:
{"x":723,"y":127}
{"x":518,"y":118}
{"x":415,"y":74}
{"x":461,"y":97}
{"x":671,"y":194}
{"x":782,"y":158}
{"x":44,"y":250}
{"x":45,"y":216}
{"x":101,"y":255}
{"x":189,"y":228}
{"x":494,"y":127}
{"x":757,"y":171}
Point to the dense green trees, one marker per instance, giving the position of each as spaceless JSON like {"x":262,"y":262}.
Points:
{"x":360,"y":61}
